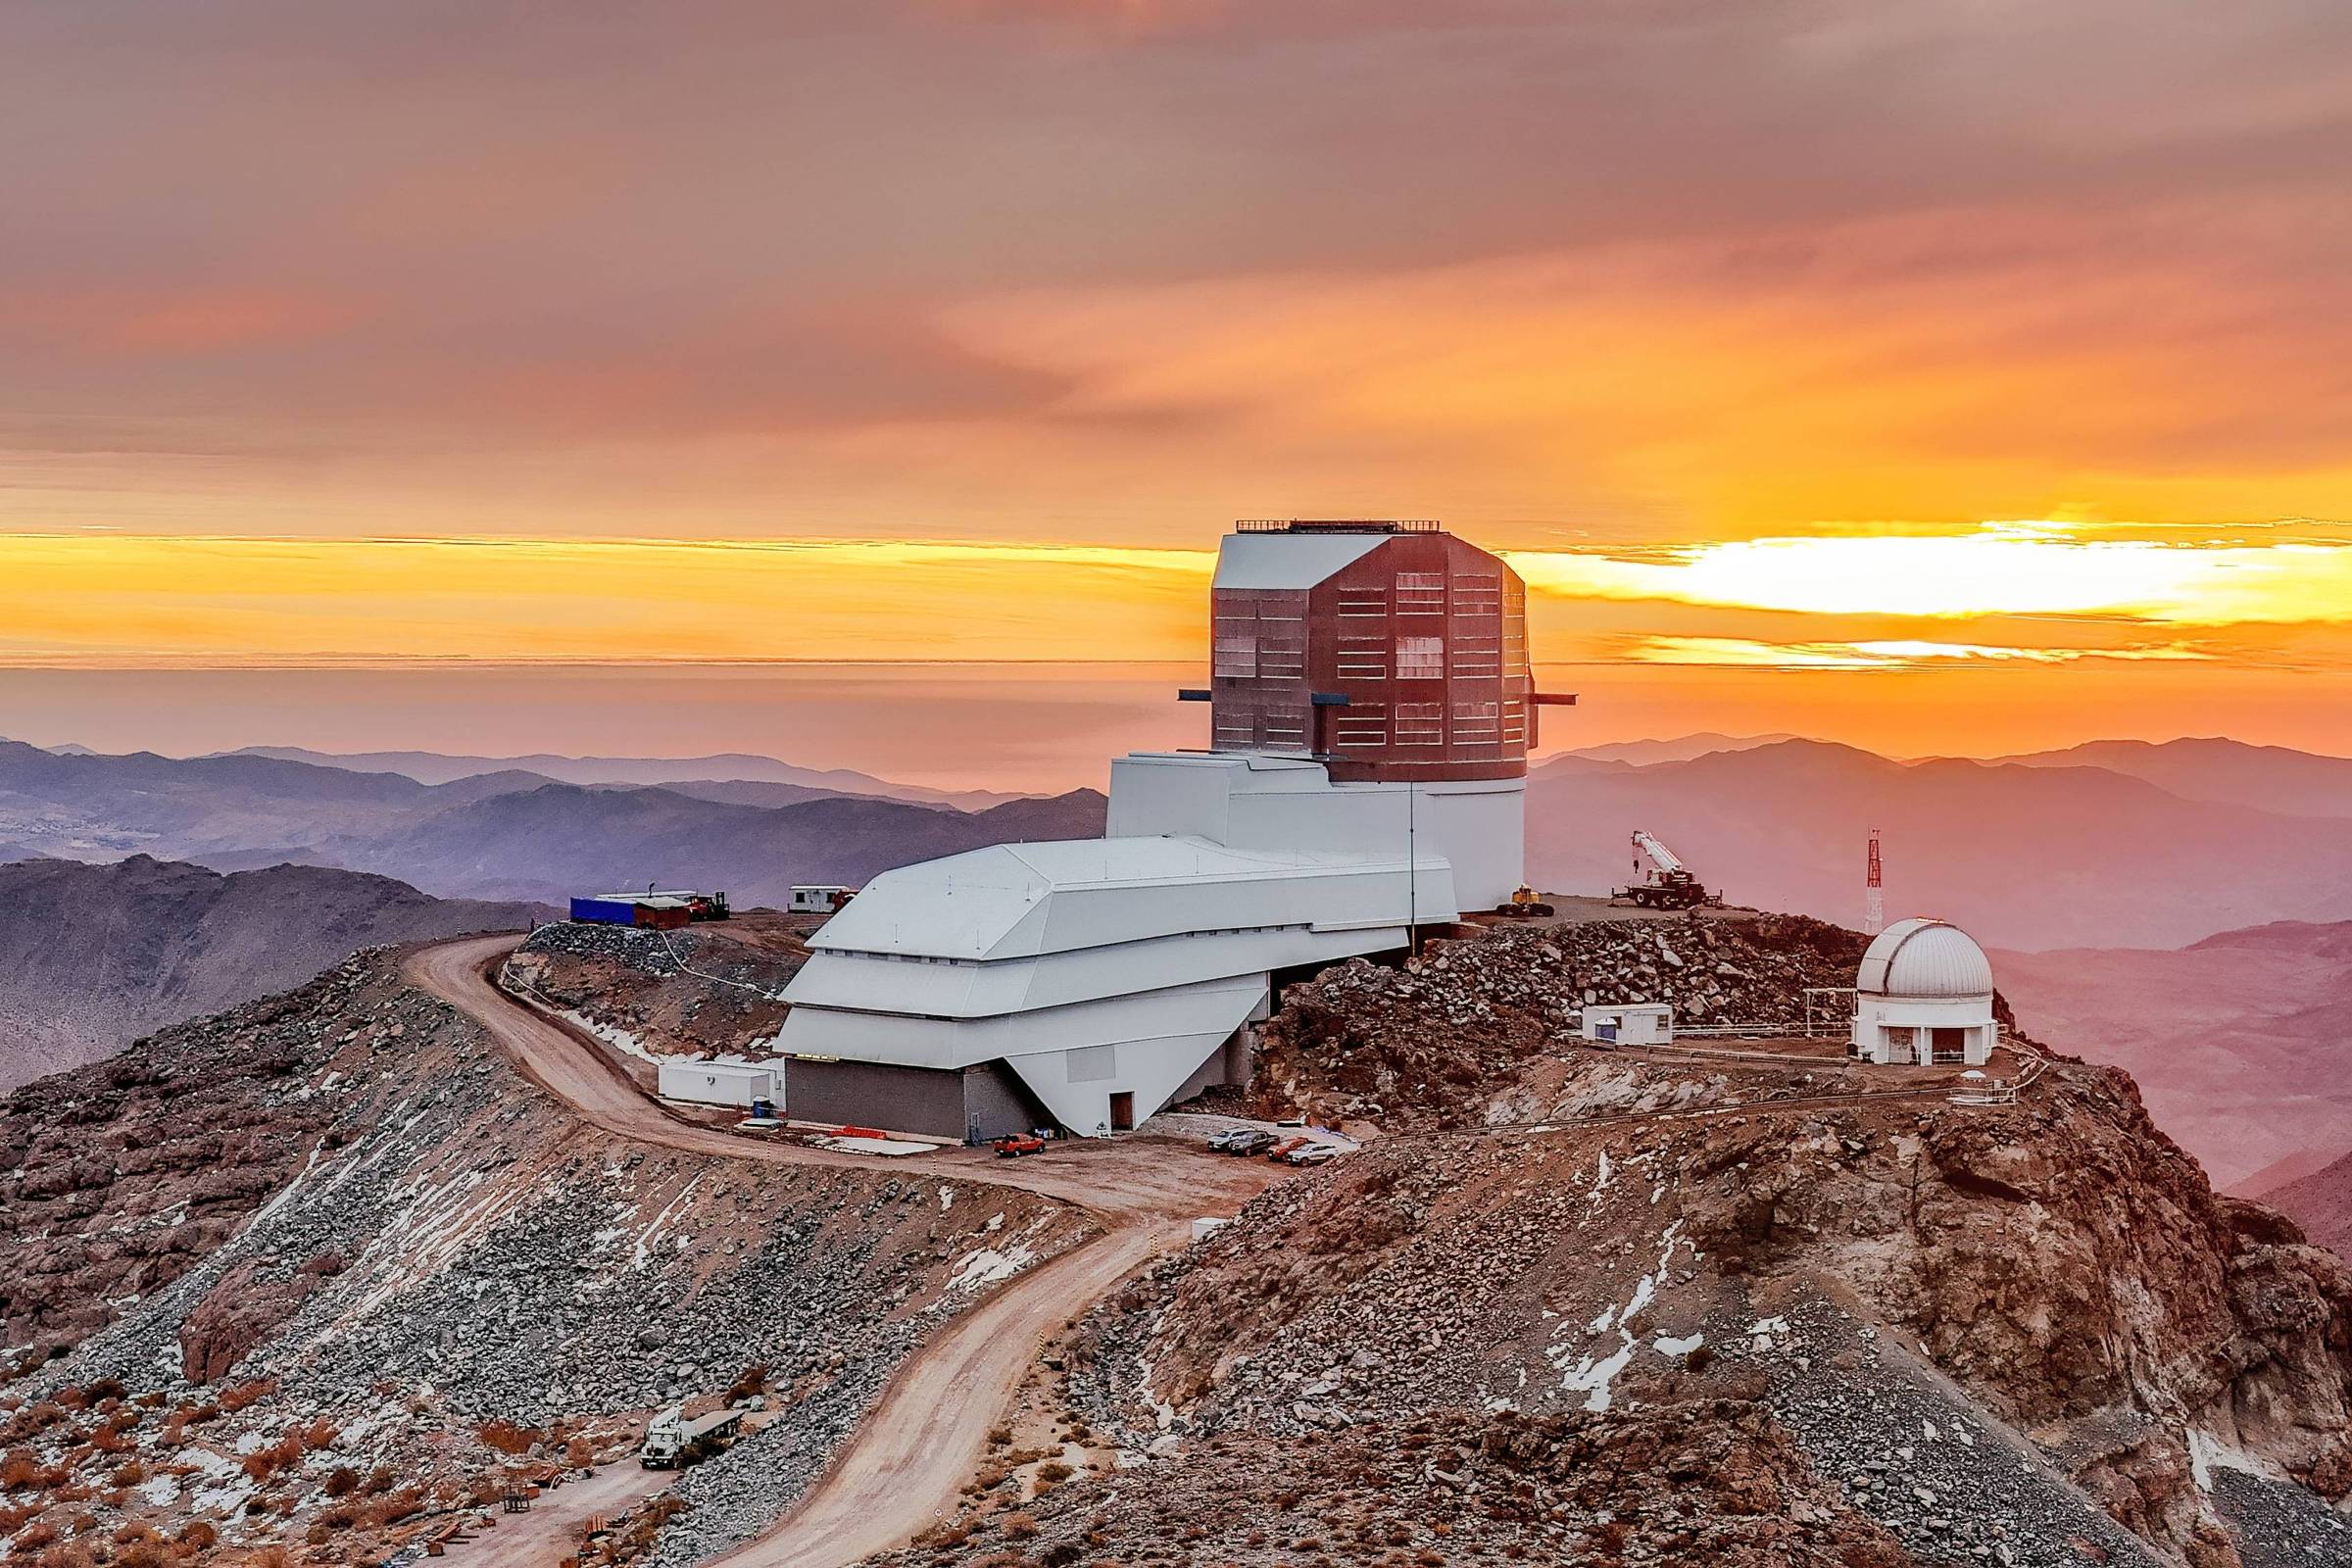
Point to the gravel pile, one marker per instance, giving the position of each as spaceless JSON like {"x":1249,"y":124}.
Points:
{"x":1949,"y":1484}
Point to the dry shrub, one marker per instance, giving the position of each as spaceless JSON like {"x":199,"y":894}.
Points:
{"x":319,"y":1434}
{"x":269,"y":1557}
{"x":41,"y":1533}
{"x":106,"y":1440}
{"x":1054,"y":1471}
{"x":20,"y":1469}
{"x":245,"y":1394}
{"x":129,"y":1474}
{"x":284,"y":1455}
{"x":949,"y":1533}
{"x":381,"y":1479}
{"x":198,"y":1536}
{"x":1019,"y":1526}
{"x":130,"y":1530}
{"x":342,"y":1481}
{"x":342,"y":1516}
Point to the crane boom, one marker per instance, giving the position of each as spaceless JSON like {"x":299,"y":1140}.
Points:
{"x":1659,"y":854}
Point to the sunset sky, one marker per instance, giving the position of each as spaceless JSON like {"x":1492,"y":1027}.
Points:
{"x":1949,"y":376}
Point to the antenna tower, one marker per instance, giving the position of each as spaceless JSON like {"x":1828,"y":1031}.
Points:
{"x":1873,"y":903}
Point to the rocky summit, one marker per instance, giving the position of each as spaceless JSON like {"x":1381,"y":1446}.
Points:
{"x":326,"y":1277}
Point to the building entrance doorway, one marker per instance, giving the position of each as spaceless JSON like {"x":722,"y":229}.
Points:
{"x":1950,"y":1045}
{"x":1122,"y":1110}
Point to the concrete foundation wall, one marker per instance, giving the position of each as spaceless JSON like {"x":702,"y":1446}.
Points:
{"x":937,"y":1102}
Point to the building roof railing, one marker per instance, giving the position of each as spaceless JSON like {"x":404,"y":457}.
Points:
{"x":1339,"y":525}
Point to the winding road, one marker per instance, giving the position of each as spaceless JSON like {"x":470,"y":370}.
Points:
{"x":903,"y":1468}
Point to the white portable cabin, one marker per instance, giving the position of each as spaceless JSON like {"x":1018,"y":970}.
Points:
{"x":718,"y":1083}
{"x":1633,"y":1023}
{"x":817,"y":899}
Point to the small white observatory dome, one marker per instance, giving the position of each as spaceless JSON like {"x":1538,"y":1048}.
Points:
{"x":1925,"y":996}
{"x":1923,"y":958}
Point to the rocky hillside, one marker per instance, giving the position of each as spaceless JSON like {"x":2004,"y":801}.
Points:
{"x":318,"y":1272}
{"x":1673,"y":1312}
{"x":92,"y":957}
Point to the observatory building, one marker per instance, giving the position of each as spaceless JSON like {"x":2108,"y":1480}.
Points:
{"x":1924,"y":995}
{"x":1370,"y":711}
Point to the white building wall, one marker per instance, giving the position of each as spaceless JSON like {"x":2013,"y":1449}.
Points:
{"x":1874,"y":1017}
{"x":1286,"y":805}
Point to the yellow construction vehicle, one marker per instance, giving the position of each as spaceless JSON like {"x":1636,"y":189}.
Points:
{"x":1523,"y":905}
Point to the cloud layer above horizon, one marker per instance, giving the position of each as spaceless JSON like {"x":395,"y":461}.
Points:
{"x":473,"y":332}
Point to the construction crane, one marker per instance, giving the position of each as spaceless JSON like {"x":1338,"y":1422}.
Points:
{"x":1667,"y":883}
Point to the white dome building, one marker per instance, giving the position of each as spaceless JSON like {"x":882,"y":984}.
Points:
{"x":1924,"y":995}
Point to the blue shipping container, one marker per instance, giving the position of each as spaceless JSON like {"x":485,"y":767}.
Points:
{"x":604,"y":912}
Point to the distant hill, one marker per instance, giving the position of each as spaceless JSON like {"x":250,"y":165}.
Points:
{"x":1681,"y":749}
{"x":2321,"y":1204}
{"x":436,"y":768}
{"x":2241,"y":1043}
{"x":2268,"y":778}
{"x":92,"y":957}
{"x":2025,"y":857}
{"x":563,"y":838}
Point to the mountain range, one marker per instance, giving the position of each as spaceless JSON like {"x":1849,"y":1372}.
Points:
{"x":2026,"y":854}
{"x":504,"y":835}
{"x":2240,"y":1041}
{"x":436,"y":767}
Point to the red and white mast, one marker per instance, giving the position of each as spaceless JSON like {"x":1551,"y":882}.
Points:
{"x":1873,"y":903}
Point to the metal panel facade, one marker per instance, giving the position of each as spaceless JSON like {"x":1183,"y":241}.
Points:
{"x":1425,"y":637}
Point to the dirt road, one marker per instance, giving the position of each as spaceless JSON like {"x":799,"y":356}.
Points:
{"x":902,"y":1471}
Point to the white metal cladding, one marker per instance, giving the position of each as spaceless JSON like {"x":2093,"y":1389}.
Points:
{"x":1922,"y":957}
{"x":876,"y":983}
{"x":1290,"y":807}
{"x":1011,"y":901}
{"x":1289,"y":559}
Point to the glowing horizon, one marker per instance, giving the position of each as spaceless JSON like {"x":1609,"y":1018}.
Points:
{"x":1846,"y":370}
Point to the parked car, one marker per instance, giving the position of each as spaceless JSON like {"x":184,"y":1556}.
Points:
{"x":1235,"y":1139}
{"x":1253,"y":1141}
{"x":1017,"y":1144}
{"x":1286,"y":1148}
{"x":1314,"y":1154}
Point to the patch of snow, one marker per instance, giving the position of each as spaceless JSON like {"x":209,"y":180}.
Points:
{"x":1679,"y":1347}
{"x":947,"y":1198}
{"x":1591,"y":1378}
{"x":160,"y":1492}
{"x":985,"y":1265}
